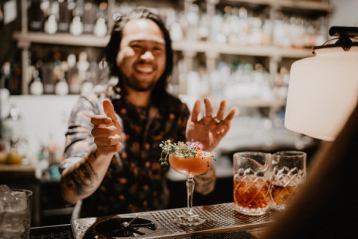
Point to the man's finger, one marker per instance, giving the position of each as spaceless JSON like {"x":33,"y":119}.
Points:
{"x":100,"y":119}
{"x":108,"y":141}
{"x":103,"y":131}
{"x":220,"y":114}
{"x":208,"y":107}
{"x":230,"y":116}
{"x":196,"y":111}
{"x":109,"y":110}
{"x":109,"y":149}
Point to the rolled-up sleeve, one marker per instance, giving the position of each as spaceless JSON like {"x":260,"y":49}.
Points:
{"x":79,"y":141}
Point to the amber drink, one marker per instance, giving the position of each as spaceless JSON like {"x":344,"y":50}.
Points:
{"x":252,"y":173}
{"x":289,"y":172}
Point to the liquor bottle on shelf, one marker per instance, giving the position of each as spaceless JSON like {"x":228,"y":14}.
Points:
{"x":51,"y":25}
{"x":86,"y":87}
{"x":89,"y":17}
{"x":65,"y":15}
{"x":101,"y":28}
{"x":36,"y":15}
{"x":76,"y":26}
{"x":82,"y":65}
{"x":73,"y":75}
{"x":47,"y":76}
{"x":36,"y":86}
{"x":61,"y":87}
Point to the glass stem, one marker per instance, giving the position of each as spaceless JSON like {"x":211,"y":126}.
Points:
{"x":190,"y":184}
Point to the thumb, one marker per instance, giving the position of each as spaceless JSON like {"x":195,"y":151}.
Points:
{"x":109,"y":110}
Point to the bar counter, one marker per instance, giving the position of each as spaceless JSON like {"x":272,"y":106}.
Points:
{"x":222,"y":221}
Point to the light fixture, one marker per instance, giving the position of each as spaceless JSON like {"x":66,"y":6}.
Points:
{"x":323,"y":89}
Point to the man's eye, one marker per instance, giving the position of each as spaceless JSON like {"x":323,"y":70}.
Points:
{"x":158,"y":50}
{"x":137,"y":47}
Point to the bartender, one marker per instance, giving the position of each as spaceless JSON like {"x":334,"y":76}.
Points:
{"x":111,"y":159}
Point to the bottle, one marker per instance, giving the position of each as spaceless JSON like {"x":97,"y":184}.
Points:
{"x":61,"y":87}
{"x":36,"y":86}
{"x":73,"y":75}
{"x":36,"y":15}
{"x":89,"y":17}
{"x":82,"y":65}
{"x":86,"y":87}
{"x":51,"y":25}
{"x":76,"y":26}
{"x":65,"y":13}
{"x":101,"y":28}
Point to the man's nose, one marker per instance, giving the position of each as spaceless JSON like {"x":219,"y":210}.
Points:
{"x":147,"y":55}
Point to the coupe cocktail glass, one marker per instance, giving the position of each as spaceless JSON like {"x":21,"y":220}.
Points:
{"x":190,"y":167}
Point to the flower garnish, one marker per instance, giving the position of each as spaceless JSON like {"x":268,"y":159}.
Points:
{"x":181,"y":149}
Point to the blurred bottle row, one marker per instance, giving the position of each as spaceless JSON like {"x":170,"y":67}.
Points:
{"x":66,"y":74}
{"x":237,"y":25}
{"x":71,"y":73}
{"x":71,"y":16}
{"x":233,"y":81}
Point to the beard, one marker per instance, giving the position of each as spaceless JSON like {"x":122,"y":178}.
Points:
{"x":136,"y":84}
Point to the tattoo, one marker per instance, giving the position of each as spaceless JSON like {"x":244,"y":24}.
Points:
{"x":82,"y":177}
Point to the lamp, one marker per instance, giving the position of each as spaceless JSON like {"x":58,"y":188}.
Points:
{"x":323,"y":89}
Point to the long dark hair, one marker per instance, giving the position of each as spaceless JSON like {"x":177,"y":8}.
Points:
{"x":160,"y":89}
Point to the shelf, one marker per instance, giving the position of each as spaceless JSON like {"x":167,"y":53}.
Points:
{"x":257,"y":103}
{"x":304,"y":5}
{"x":17,"y":168}
{"x":217,"y":48}
{"x":60,"y":39}
{"x":187,"y":46}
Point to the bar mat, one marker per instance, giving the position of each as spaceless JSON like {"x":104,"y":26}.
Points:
{"x":222,"y":221}
{"x":52,"y":232}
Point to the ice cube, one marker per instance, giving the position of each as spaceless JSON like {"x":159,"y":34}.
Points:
{"x":19,"y":202}
{"x":5,"y":200}
{"x":4,"y":189}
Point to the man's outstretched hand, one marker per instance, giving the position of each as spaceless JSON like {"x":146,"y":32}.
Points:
{"x":107,"y":130}
{"x":209,"y":130}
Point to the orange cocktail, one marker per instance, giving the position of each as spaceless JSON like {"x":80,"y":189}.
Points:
{"x":191,"y":166}
{"x":188,"y":159}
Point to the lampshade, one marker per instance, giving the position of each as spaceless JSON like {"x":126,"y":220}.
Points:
{"x":322,"y":92}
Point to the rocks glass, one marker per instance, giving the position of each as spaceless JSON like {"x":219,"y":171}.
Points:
{"x":289,"y":171}
{"x":252,"y":174}
{"x":15,"y":213}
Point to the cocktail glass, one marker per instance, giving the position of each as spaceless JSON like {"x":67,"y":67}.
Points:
{"x":190,"y":167}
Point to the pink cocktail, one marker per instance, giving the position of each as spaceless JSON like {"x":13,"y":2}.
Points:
{"x":190,"y":166}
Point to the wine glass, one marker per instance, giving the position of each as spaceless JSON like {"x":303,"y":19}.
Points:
{"x":190,"y":166}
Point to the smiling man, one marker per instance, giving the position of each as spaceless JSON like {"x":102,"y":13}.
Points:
{"x":112,"y":144}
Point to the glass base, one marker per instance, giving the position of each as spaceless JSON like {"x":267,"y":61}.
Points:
{"x":251,"y":211}
{"x":278,"y":207}
{"x":189,"y":220}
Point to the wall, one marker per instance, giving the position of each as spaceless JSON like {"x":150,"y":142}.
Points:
{"x":43,"y":120}
{"x":345,"y":13}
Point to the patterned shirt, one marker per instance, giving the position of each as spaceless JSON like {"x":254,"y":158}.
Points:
{"x":135,"y":180}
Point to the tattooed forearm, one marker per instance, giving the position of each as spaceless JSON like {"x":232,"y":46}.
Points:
{"x":205,"y":183}
{"x":81,"y":177}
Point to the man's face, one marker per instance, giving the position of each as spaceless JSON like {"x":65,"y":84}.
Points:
{"x":141,"y":56}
